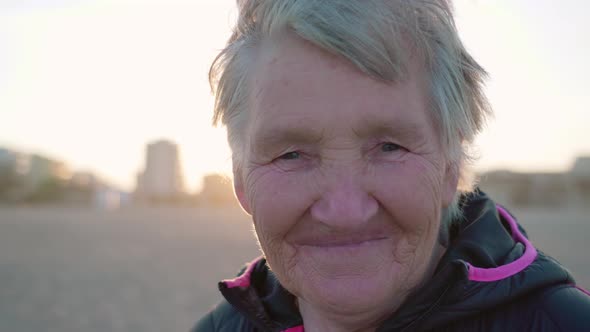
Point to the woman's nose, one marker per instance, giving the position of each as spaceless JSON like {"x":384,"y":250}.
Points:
{"x":345,"y":206}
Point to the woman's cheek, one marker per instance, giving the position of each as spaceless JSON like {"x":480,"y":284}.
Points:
{"x":281,"y":201}
{"x":278,"y":201}
{"x":408,"y":191}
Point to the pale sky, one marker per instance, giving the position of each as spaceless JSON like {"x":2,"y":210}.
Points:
{"x":91,"y":82}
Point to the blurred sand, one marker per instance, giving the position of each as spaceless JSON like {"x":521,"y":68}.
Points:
{"x":156,"y":269}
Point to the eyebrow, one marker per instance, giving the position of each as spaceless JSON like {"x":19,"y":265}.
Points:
{"x":278,"y":136}
{"x":400,"y":130}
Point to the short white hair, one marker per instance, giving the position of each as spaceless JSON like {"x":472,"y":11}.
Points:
{"x":378,"y":37}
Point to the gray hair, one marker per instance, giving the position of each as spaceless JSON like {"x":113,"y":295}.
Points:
{"x":378,"y":37}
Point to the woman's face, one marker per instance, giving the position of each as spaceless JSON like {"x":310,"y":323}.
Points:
{"x":344,"y":177}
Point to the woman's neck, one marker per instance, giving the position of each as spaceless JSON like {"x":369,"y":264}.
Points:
{"x":319,"y":321}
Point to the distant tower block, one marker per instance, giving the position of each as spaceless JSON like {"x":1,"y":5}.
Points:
{"x":581,"y":167}
{"x":162,"y":175}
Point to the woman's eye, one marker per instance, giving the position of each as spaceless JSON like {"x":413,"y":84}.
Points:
{"x":290,"y":155}
{"x":389,"y":147}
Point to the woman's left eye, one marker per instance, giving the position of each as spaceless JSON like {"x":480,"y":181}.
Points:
{"x":390,"y":147}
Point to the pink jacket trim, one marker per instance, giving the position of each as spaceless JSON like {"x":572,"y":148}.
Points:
{"x":295,"y":329}
{"x":583,"y":290}
{"x":244,"y":279}
{"x":510,"y":269}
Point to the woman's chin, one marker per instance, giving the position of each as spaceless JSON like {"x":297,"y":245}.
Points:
{"x":349,"y":290}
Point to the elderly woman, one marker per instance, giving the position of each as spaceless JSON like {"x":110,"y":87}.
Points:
{"x":350,"y":123}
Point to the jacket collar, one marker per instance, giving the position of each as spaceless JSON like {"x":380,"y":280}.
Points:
{"x":487,"y":242}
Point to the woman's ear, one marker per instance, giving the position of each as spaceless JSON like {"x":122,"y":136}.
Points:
{"x":240,"y":192}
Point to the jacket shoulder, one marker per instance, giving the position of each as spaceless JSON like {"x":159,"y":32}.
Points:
{"x":558,"y":308}
{"x":223,"y":318}
{"x":567,"y":307}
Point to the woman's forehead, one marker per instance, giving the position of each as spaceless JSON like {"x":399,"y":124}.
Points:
{"x":297,"y":85}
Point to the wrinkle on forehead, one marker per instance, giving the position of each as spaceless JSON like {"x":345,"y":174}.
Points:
{"x":292,"y":102}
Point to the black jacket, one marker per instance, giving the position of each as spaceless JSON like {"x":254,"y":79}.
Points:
{"x":490,"y":279}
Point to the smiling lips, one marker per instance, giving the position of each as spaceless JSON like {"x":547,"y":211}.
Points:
{"x":336,"y":241}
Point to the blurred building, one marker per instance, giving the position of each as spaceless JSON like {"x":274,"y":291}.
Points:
{"x":581,"y":167}
{"x":46,"y":180}
{"x":25,"y":177}
{"x":13,"y":162}
{"x":161,"y":178}
{"x":217,"y":190}
{"x":568,"y":189}
{"x":13,"y":167}
{"x":107,"y":198}
{"x":32,"y":178}
{"x":42,"y":169}
{"x":581,"y":180}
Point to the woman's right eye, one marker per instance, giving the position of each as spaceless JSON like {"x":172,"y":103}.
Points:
{"x":291,"y":161}
{"x":290,"y":156}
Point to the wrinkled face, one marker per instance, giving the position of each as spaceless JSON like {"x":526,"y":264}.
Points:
{"x":344,"y":176}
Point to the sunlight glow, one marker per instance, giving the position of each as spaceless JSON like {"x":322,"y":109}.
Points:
{"x":92,"y":82}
